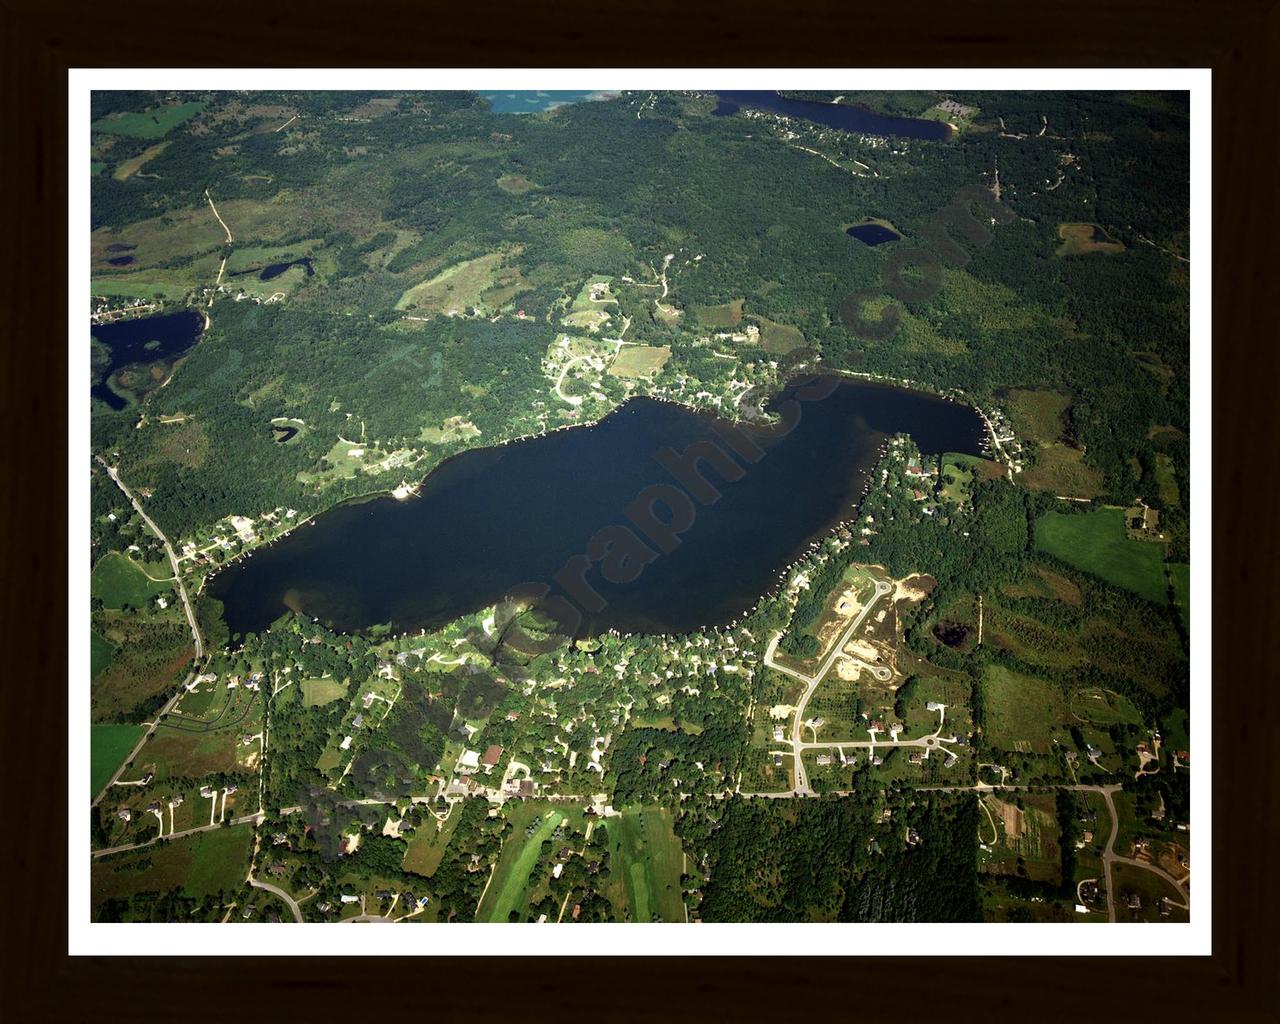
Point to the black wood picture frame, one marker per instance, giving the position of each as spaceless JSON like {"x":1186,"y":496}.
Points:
{"x":1238,"y":39}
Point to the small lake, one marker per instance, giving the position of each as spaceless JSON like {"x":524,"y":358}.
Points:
{"x":492,"y":519}
{"x":274,"y":270}
{"x":139,"y":353}
{"x":873,"y":234}
{"x":532,"y":102}
{"x":834,"y":115}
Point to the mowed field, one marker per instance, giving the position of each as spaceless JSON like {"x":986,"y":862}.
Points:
{"x":508,"y":889}
{"x":200,"y":865}
{"x":108,"y":745}
{"x":117,"y":582}
{"x":646,"y":861}
{"x":319,"y":692}
{"x":1096,"y":542}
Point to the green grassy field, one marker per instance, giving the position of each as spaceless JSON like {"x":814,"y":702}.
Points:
{"x":319,"y":692}
{"x":101,"y":651}
{"x":202,"y":864}
{"x":108,"y":745}
{"x":152,"y":124}
{"x":116,"y":581}
{"x":1096,"y":542}
{"x":1022,"y":712}
{"x":646,"y":861}
{"x":519,"y":854}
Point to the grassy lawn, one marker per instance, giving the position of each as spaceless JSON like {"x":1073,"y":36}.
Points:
{"x":151,"y":124}
{"x":117,"y":582}
{"x":1096,"y":542}
{"x":426,"y":847}
{"x":519,"y":854}
{"x":1022,"y":712}
{"x":646,"y":861}
{"x":108,"y":745}
{"x":319,"y":692}
{"x":101,"y":651}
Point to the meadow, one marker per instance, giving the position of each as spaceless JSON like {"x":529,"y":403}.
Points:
{"x":150,"y":124}
{"x":1023,"y":712}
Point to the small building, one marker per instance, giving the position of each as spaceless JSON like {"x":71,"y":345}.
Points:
{"x":492,"y":756}
{"x":346,"y":743}
{"x":470,"y":759}
{"x":125,"y":814}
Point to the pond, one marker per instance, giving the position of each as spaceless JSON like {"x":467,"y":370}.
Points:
{"x":131,"y":357}
{"x":490,"y":520}
{"x":872,"y":233}
{"x":835,"y":115}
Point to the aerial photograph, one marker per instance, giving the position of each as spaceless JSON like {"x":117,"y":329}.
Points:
{"x":654,"y":505}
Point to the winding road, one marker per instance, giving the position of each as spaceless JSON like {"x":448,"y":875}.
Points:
{"x":811,"y":682}
{"x":191,"y":621}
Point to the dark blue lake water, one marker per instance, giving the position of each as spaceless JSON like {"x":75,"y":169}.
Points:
{"x":139,"y":353}
{"x":835,"y":115}
{"x":873,"y":234}
{"x":490,"y":520}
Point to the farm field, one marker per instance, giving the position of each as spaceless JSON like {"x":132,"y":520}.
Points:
{"x":108,"y":745}
{"x":1096,"y":542}
{"x":1027,"y":837}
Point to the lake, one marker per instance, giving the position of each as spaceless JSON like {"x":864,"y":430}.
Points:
{"x":492,"y":519}
{"x":140,"y":353}
{"x":835,"y":115}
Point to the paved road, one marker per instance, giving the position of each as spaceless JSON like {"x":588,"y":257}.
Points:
{"x":191,"y":620}
{"x":811,"y":682}
{"x":275,"y":890}
{"x":247,"y":819}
